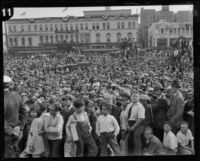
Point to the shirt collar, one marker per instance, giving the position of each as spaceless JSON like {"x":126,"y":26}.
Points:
{"x":69,"y":107}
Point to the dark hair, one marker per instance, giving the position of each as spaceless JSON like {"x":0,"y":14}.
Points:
{"x":43,"y":107}
{"x":78,"y":103}
{"x":119,"y":103}
{"x":148,"y":129}
{"x":184,"y":122}
{"x":107,"y":105}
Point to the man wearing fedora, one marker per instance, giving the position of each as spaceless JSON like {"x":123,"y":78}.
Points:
{"x":175,"y":112}
{"x":159,"y":110}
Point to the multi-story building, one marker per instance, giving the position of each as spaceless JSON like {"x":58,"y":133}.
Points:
{"x":149,"y":16}
{"x":96,"y":29}
{"x":164,"y":34}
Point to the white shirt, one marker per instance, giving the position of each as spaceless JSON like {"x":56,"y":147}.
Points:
{"x":170,"y":140}
{"x":138,"y":111}
{"x":123,"y":121}
{"x":107,"y":124}
{"x":184,"y":139}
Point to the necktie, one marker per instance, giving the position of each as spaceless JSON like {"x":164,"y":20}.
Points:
{"x":129,"y":112}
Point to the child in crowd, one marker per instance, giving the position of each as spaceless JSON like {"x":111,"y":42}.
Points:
{"x":35,"y":144}
{"x":107,"y":129}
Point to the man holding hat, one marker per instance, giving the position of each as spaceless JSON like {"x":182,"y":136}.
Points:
{"x":175,"y":112}
{"x":13,"y":117}
{"x":159,"y":110}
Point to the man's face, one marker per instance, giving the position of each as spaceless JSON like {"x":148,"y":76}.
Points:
{"x":184,"y":128}
{"x":53,"y":112}
{"x":157,"y":92}
{"x":104,"y":110}
{"x":67,"y":102}
{"x":135,"y":98}
{"x":166,"y":128}
{"x":173,"y":90}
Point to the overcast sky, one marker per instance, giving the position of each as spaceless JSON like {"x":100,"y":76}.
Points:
{"x":78,"y":11}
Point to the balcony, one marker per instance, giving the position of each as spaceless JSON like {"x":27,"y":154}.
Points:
{"x":66,"y":31}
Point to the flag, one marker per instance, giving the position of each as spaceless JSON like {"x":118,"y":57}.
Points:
{"x":65,"y":9}
{"x":22,"y":14}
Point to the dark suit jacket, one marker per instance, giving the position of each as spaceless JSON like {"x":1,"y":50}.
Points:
{"x":175,"y":113}
{"x":159,"y":110}
{"x":116,"y":111}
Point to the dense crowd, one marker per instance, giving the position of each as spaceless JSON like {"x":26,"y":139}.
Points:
{"x":135,"y":105}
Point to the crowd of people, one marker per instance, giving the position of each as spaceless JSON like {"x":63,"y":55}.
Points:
{"x":118,"y":106}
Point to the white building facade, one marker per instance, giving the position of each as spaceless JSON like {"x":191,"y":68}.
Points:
{"x":163,"y":33}
{"x":94,"y":28}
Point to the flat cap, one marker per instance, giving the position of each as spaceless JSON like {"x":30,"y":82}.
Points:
{"x":6,"y":79}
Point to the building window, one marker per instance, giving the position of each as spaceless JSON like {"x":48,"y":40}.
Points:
{"x":22,"y":28}
{"x":61,"y":27}
{"x":47,"y":39}
{"x":183,"y":30}
{"x":66,"y":37}
{"x":30,"y":41}
{"x":57,"y":38}
{"x":71,"y":26}
{"x":86,"y":26}
{"x":81,"y":26}
{"x":82,"y":37}
{"x":56,"y":27}
{"x":108,"y":35}
{"x":76,"y":26}
{"x":51,"y":27}
{"x":104,"y":26}
{"x":51,"y":39}
{"x":129,"y":25}
{"x":46,"y":27}
{"x":122,"y":25}
{"x":23,"y":41}
{"x":16,"y":43}
{"x":11,"y":42}
{"x":29,"y":28}
{"x":133,"y":24}
{"x":40,"y":27}
{"x":66,"y":27}
{"x":10,"y":28}
{"x":41,"y":40}
{"x":118,"y":37}
{"x":97,"y":26}
{"x":61,"y":38}
{"x":129,"y":35}
{"x":118,"y":25}
{"x":170,"y":31}
{"x":14,"y":28}
{"x":108,"y":25}
{"x":93,"y":26}
{"x":35,"y":27}
{"x":71,"y":38}
{"x":174,"y":30}
{"x":162,"y":31}
{"x":98,"y":37}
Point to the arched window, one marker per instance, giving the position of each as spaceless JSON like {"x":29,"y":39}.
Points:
{"x":104,"y":25}
{"x":118,"y":36}
{"x":61,"y":27}
{"x":22,"y":28}
{"x":10,"y":28}
{"x":46,"y":27}
{"x":23,"y":41}
{"x":162,"y":31}
{"x":51,"y":27}
{"x":56,"y":27}
{"x":35,"y":27}
{"x":118,"y":25}
{"x":97,"y":26}
{"x":86,"y":26}
{"x":76,"y":26}
{"x":40,"y":27}
{"x":47,"y":39}
{"x":11,"y":42}
{"x":51,"y":39}
{"x":71,"y":26}
{"x":30,"y":41}
{"x":71,"y":38}
{"x":129,"y":25}
{"x":98,"y":36}
{"x":16,"y":43}
{"x":174,"y":30}
{"x":122,"y":25}
{"x":56,"y":38}
{"x":41,"y":40}
{"x":108,"y":25}
{"x":66,"y":27}
{"x":29,"y":28}
{"x":93,"y":26}
{"x":129,"y":35}
{"x":61,"y":38}
{"x":66,"y":37}
{"x":81,"y":26}
{"x":108,"y":36}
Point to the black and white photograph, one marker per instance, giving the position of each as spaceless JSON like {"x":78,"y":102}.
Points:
{"x":100,"y":81}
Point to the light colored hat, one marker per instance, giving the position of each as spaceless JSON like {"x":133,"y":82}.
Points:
{"x":6,"y":79}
